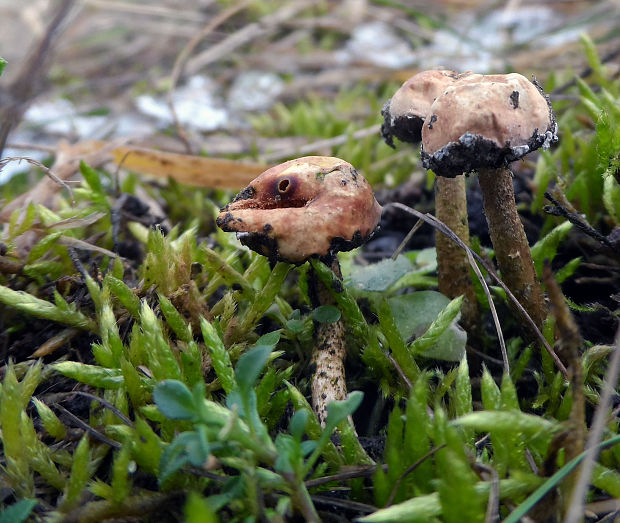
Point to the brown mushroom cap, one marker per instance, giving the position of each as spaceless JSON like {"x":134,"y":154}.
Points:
{"x":486,"y":121}
{"x":405,"y":112}
{"x":311,"y":206}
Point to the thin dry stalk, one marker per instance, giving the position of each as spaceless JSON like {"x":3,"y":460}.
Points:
{"x":182,"y":59}
{"x":27,"y":84}
{"x":144,"y":10}
{"x":453,"y":238}
{"x":8,"y":159}
{"x":319,"y":145}
{"x":435,"y":223}
{"x":66,"y":165}
{"x":568,"y":344}
{"x":492,"y":514}
{"x":266,"y":25}
{"x":498,"y":327}
{"x":576,"y":508}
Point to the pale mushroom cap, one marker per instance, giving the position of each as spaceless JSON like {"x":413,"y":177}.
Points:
{"x":405,"y":112}
{"x":417,"y":94}
{"x":486,"y":121}
{"x":311,"y":206}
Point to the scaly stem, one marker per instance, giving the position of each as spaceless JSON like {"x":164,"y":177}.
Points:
{"x":510,"y":243}
{"x":453,"y":266}
{"x":328,"y":381}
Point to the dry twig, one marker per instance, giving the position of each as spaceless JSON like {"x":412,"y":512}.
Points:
{"x":575,"y":511}
{"x":27,"y":84}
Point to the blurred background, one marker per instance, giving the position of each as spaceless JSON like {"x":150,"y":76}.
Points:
{"x":264,"y":80}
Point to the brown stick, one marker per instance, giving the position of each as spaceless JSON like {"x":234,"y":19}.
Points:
{"x":512,"y":250}
{"x":568,"y":343}
{"x":328,"y":380}
{"x":28,"y":82}
{"x":452,"y":262}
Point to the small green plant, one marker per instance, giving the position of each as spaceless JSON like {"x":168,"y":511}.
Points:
{"x":179,"y":380}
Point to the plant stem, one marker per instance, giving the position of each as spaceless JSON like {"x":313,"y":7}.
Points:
{"x":453,"y":266}
{"x":512,"y":250}
{"x":301,"y":498}
{"x":328,"y":381}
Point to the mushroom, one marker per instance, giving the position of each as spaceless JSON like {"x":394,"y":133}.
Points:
{"x":314,"y":206}
{"x":404,"y":115}
{"x":482,"y":123}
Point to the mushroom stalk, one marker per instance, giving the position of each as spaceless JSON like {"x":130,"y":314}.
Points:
{"x":306,"y":208}
{"x":404,"y":116}
{"x":327,"y":383}
{"x":483,"y":123}
{"x":512,"y":249}
{"x":452,"y":263}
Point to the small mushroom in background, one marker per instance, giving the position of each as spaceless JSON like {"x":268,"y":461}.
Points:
{"x":314,"y":206}
{"x":404,"y":116}
{"x":482,"y":123}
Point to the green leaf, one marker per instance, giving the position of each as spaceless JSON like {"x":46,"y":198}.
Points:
{"x":90,"y":374}
{"x":174,"y":400}
{"x":313,"y":427}
{"x":27,"y":303}
{"x":611,"y":197}
{"x":528,"y":424}
{"x":416,"y":436}
{"x":271,"y":339}
{"x":3,"y":63}
{"x":92,"y":177}
{"x":297,"y":425}
{"x":568,"y":270}
{"x":516,"y":515}
{"x":456,"y":479}
{"x":52,"y":425}
{"x":264,"y":299}
{"x":592,"y":55}
{"x":121,"y":483}
{"x":156,"y":347}
{"x":346,"y":303}
{"x":197,"y":510}
{"x":45,"y":244}
{"x":462,"y":392}
{"x":175,"y":319}
{"x":146,"y":447}
{"x":250,"y":366}
{"x":125,"y":295}
{"x":18,"y":512}
{"x":220,"y":359}
{"x":379,"y":276}
{"x":80,"y":473}
{"x":388,"y":325}
{"x":326,"y":314}
{"x":547,"y":247}
{"x":424,"y":508}
{"x":430,"y":318}
{"x":338,"y":411}
{"x":173,"y":458}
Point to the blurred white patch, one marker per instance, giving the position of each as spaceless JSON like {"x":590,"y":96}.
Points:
{"x":377,"y":43}
{"x":195,"y":104}
{"x":254,"y":91}
{"x":481,"y":44}
{"x":61,"y":117}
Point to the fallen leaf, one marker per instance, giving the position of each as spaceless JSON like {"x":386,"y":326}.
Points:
{"x":191,"y":170}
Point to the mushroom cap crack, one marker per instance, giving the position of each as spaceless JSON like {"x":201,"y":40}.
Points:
{"x":311,"y":206}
